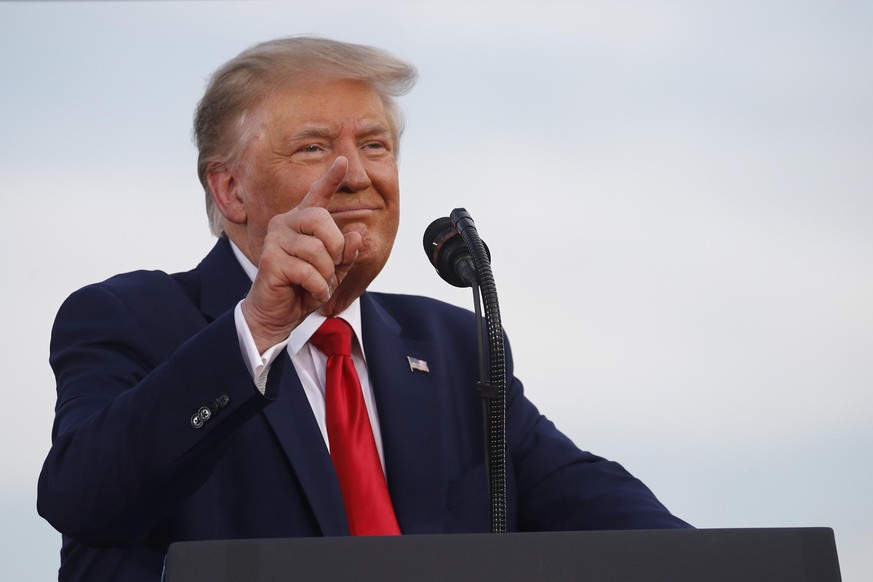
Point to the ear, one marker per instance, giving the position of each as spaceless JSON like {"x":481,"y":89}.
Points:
{"x":226,"y":192}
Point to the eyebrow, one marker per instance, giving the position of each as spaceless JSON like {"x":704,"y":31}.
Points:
{"x":369,"y":128}
{"x":312,"y":132}
{"x":366,"y":129}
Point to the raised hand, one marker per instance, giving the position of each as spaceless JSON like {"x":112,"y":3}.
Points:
{"x":304,"y":259}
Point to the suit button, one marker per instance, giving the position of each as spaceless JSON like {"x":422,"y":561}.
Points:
{"x":223,"y":400}
{"x":204,"y":413}
{"x":196,"y":421}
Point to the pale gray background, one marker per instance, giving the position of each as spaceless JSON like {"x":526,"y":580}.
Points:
{"x":686,"y":188}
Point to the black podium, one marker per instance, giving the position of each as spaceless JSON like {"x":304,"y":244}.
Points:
{"x":714,"y":555}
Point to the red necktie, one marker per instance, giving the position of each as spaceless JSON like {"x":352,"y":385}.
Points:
{"x":352,"y":447}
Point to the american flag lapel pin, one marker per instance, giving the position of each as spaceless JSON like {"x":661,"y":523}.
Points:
{"x":416,"y":365}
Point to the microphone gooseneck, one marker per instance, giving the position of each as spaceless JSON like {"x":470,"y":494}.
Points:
{"x":462,"y":259}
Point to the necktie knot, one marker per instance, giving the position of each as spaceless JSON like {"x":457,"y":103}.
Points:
{"x":334,"y":337}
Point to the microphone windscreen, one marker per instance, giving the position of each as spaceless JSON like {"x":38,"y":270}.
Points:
{"x":445,"y":249}
{"x":435,"y":235}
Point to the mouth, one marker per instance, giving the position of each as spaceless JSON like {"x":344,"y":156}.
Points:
{"x":352,"y":213}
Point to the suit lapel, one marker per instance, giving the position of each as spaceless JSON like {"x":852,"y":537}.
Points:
{"x":224,"y":284}
{"x":291,"y":418}
{"x":409,"y":416}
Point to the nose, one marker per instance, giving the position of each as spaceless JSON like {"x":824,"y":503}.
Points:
{"x":357,"y":178}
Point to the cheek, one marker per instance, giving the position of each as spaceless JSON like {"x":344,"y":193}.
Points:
{"x":385,"y":178}
{"x":388,"y":232}
{"x":282,"y":191}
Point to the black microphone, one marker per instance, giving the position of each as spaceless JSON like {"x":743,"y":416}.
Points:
{"x":462,"y":259}
{"x":446,"y":251}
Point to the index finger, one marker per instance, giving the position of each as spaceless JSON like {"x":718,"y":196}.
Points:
{"x":323,"y":189}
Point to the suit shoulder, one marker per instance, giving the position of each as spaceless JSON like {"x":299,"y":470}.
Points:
{"x":145,"y":286}
{"x":152,"y":298}
{"x":417,"y":309}
{"x":393,"y":301}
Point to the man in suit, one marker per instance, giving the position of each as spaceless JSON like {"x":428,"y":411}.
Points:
{"x":193,"y":406}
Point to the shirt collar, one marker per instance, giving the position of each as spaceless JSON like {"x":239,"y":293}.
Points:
{"x":250,"y":269}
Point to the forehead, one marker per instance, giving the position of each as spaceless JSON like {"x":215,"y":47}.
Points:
{"x":330,"y":103}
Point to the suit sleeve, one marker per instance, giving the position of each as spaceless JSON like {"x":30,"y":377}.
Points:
{"x":141,"y":417}
{"x":561,"y":487}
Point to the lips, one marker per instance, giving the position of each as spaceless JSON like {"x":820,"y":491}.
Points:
{"x":352,"y":212}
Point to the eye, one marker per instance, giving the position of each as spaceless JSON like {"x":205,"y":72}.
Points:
{"x":310,"y":152}
{"x":375,"y":147}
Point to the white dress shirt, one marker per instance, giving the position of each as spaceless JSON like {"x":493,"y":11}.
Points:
{"x":309,"y":362}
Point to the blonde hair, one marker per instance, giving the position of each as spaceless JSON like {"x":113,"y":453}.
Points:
{"x":241,"y":83}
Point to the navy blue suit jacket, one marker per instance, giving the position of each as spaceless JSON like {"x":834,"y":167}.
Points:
{"x":137,"y":356}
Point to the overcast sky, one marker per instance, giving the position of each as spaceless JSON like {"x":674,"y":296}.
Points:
{"x":678,"y":197}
